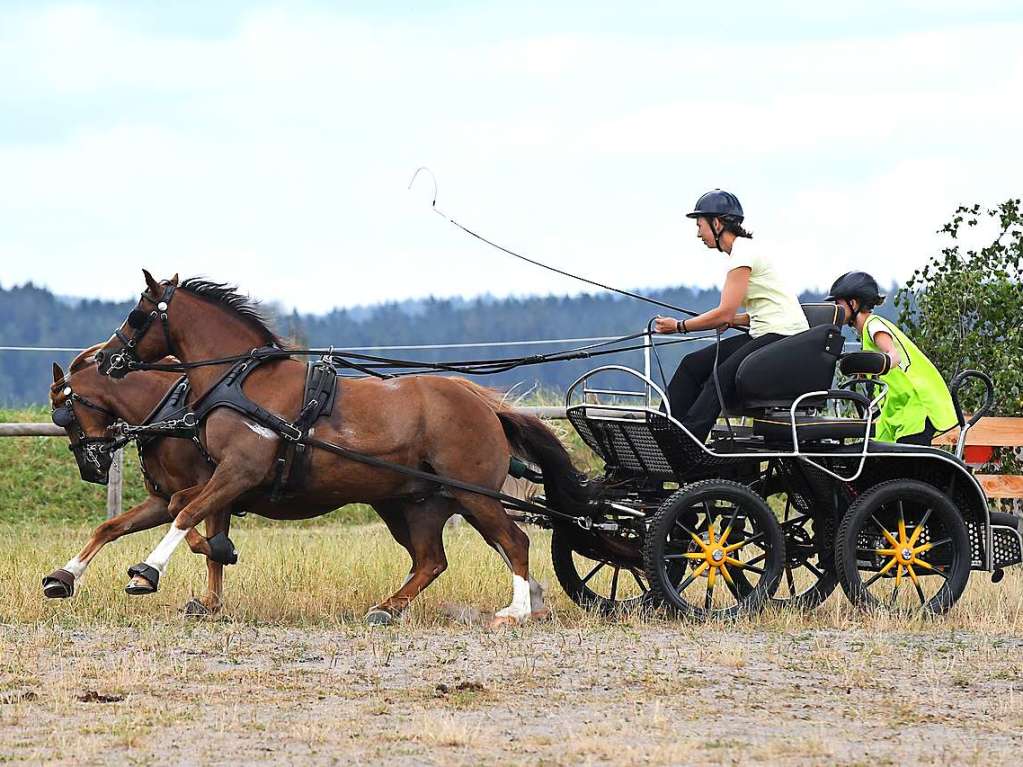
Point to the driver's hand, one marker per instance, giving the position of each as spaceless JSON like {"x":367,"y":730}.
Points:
{"x":665,"y":325}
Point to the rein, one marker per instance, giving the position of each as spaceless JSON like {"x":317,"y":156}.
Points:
{"x":465,"y":367}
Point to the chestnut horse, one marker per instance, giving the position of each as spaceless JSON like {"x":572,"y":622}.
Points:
{"x":447,"y":426}
{"x":92,"y":403}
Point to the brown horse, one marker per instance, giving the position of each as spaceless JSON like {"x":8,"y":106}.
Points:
{"x":448,"y":426}
{"x":93,"y":404}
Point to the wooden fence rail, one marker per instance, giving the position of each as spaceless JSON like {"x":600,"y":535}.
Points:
{"x":116,"y":482}
{"x":981,"y":440}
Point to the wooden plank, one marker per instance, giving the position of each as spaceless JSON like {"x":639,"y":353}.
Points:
{"x":1001,"y":485}
{"x":30,"y":430}
{"x":994,"y":431}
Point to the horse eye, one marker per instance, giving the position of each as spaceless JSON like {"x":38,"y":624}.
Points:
{"x":136,"y":318}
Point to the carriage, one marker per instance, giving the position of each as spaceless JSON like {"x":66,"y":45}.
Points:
{"x":782,"y":508}
{"x":785,"y":506}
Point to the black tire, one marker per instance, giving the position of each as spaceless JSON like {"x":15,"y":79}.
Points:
{"x":597,"y":585}
{"x":706,"y":510}
{"x":808,"y":576}
{"x":863,"y":550}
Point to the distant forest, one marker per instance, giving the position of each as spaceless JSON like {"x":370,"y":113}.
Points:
{"x":32,"y":316}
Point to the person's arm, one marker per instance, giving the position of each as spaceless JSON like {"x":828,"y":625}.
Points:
{"x":740,"y":321}
{"x":886,"y":344}
{"x":725,"y":313}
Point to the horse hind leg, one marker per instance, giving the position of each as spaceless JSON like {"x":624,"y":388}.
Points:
{"x":489,"y":517}
{"x":537,"y":607}
{"x":424,"y":527}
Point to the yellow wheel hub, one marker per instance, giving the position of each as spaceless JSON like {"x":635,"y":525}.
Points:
{"x":904,"y":554}
{"x":714,"y":555}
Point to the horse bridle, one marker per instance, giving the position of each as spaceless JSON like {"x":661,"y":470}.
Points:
{"x":93,"y":454}
{"x":140,"y":321}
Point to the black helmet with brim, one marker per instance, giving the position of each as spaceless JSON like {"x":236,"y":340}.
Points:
{"x":718,"y":204}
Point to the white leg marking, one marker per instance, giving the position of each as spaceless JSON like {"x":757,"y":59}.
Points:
{"x":519,"y":607}
{"x":262,"y":431}
{"x":76,"y":567}
{"x":162,"y":553}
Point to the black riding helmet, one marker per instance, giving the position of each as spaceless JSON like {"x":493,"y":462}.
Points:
{"x":858,"y":285}
{"x":718,"y":204}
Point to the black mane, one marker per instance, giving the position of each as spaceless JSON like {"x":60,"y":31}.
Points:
{"x":228,"y":296}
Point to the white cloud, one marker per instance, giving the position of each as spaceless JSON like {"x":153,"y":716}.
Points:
{"x":278,"y":156}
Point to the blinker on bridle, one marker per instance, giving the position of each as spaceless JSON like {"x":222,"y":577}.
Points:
{"x":93,"y":454}
{"x":140,"y":321}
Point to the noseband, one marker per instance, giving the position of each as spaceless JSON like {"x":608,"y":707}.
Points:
{"x":93,"y":454}
{"x":140,"y":321}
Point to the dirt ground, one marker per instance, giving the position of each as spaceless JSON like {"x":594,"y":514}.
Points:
{"x":611,"y":693}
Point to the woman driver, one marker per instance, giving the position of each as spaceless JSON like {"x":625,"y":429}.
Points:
{"x":772,"y":312}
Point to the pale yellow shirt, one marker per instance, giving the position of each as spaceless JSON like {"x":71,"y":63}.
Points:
{"x":771,"y":302}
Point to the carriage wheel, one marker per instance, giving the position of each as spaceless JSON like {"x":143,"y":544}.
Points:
{"x":597,"y":584}
{"x":903,"y":546}
{"x":717,"y":529}
{"x":809,"y":576}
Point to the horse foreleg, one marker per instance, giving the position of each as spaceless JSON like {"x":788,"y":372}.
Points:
{"x":189,"y":508}
{"x":424,"y":523}
{"x":60,"y":584}
{"x":214,"y":600}
{"x":490,"y":518}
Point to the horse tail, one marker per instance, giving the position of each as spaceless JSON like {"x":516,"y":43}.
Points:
{"x":566,"y":489}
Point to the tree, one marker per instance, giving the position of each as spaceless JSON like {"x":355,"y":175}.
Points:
{"x":965,"y":307}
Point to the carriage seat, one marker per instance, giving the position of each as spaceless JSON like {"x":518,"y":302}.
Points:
{"x":775,"y":426}
{"x":776,"y":375}
{"x":771,"y":379}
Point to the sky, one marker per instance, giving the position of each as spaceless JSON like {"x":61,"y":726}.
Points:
{"x":271,"y":144}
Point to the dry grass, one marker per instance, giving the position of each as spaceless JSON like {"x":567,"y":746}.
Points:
{"x":330,"y":574}
{"x":290,"y":674}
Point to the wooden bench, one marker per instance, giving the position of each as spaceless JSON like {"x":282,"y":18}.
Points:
{"x":981,"y":441}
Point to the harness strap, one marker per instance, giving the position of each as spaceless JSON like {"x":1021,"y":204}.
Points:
{"x":408,"y":471}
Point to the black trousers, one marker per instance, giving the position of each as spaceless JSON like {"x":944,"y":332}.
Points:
{"x":922,"y":438}
{"x":692,"y":394}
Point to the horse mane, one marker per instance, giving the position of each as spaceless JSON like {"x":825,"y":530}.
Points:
{"x":84,"y":359}
{"x":229,"y":297}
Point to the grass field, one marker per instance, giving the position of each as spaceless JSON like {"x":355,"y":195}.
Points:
{"x":290,"y":674}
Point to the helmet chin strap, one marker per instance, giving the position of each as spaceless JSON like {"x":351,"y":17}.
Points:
{"x":717,"y":234}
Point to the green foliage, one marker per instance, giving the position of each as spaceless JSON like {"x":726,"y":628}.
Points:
{"x":964,"y":307}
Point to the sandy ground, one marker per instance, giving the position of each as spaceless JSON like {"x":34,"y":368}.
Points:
{"x":627,"y":693}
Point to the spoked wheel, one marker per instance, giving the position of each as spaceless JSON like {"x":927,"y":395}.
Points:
{"x":903,"y":546}
{"x":594,"y":580}
{"x":809,"y":576}
{"x":717,"y":529}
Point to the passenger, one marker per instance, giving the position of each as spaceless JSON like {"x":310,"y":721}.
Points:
{"x":751,"y":280}
{"x":918,"y":404}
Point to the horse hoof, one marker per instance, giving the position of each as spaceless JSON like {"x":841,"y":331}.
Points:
{"x":379,"y":617}
{"x":144,"y":579}
{"x":60,"y":584}
{"x":499,"y":621}
{"x":195,"y":609}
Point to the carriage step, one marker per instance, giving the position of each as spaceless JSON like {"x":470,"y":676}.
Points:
{"x":1006,"y":540}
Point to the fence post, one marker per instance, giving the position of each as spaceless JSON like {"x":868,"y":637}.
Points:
{"x":114,"y":485}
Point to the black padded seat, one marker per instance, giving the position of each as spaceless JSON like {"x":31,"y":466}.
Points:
{"x":823,"y":313}
{"x":776,"y":427}
{"x":775,"y":375}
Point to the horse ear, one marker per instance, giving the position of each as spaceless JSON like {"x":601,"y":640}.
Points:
{"x":174,"y":280}
{"x":58,"y":373}
{"x":151,"y":284}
